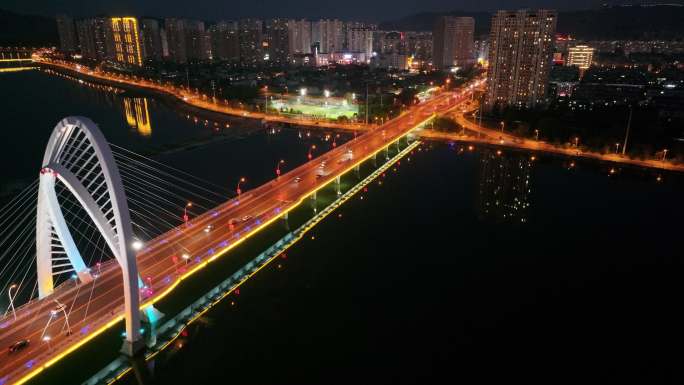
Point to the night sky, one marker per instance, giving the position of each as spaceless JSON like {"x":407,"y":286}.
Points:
{"x":369,"y":10}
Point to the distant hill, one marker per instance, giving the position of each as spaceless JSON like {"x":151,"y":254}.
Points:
{"x":620,"y":22}
{"x":27,"y":30}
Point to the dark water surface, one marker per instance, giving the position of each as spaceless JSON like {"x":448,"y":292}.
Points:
{"x":573,"y":277}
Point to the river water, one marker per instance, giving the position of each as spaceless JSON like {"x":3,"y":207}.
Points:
{"x":457,"y":265}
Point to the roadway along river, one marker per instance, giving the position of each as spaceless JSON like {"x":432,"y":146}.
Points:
{"x":458,"y":264}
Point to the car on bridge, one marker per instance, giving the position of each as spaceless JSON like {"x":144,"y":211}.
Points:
{"x":17,"y":346}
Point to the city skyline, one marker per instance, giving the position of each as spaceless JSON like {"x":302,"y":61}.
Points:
{"x":380,"y":11}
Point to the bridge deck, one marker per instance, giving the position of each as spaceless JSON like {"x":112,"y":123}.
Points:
{"x":98,"y":305}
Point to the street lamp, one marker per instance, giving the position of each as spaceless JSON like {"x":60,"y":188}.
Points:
{"x":265,"y":99}
{"x":62,"y":307}
{"x":47,"y":339}
{"x":302,"y":91}
{"x":536,"y":133}
{"x":502,"y":125}
{"x":185,"y":212}
{"x":237,"y":189}
{"x":11,"y":300}
{"x":664,"y":154}
{"x":137,"y":245}
{"x":617,"y":147}
{"x":278,"y":167}
{"x":577,"y":141}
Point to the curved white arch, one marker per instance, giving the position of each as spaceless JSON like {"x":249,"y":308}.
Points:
{"x":78,"y":156}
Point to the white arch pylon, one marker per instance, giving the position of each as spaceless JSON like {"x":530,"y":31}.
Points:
{"x":78,"y":156}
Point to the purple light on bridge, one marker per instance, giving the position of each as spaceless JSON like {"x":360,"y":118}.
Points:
{"x":167,"y":280}
{"x":258,"y":221}
{"x":224,"y":244}
{"x":85,"y":329}
{"x":237,"y":235}
{"x":277,"y":210}
{"x":4,"y":325}
{"x":197,"y":259}
{"x":215,"y":214}
{"x":248,"y":228}
{"x":3,"y":380}
{"x":210,"y":252}
{"x":30,"y":363}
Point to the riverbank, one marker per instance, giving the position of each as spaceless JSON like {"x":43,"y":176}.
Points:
{"x":498,"y":138}
{"x":179,"y":95}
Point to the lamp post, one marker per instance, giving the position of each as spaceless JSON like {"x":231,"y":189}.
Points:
{"x":617,"y":147}
{"x":577,"y":141}
{"x":11,"y":300}
{"x":502,"y":125}
{"x":664,"y":154}
{"x":265,"y":100}
{"x":185,"y":212}
{"x":536,"y":134}
{"x":278,"y":168}
{"x":62,"y":307}
{"x":237,"y":188}
{"x":629,"y":125}
{"x":47,"y":339}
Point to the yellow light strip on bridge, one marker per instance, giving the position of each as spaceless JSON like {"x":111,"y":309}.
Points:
{"x":17,"y":69}
{"x":287,"y":247}
{"x":14,"y":60}
{"x":169,"y":289}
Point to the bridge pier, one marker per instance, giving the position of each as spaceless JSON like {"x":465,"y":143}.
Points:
{"x":141,"y":370}
{"x":133,"y":348}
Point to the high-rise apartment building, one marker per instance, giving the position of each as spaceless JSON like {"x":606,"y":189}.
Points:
{"x":225,"y":43}
{"x":152,"y":42}
{"x":360,"y":40}
{"x":453,"y":42}
{"x":419,"y":44}
{"x":580,"y":56}
{"x":197,"y":46}
{"x":299,"y":38}
{"x":127,"y":40}
{"x":92,"y":37}
{"x":277,"y":41}
{"x":67,"y":34}
{"x":331,"y":35}
{"x":175,"y":39}
{"x":520,"y":53}
{"x":250,"y":32}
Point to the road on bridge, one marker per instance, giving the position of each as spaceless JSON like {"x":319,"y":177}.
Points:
{"x":97,"y":305}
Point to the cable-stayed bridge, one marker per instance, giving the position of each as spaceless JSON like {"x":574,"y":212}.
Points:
{"x":99,"y":237}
